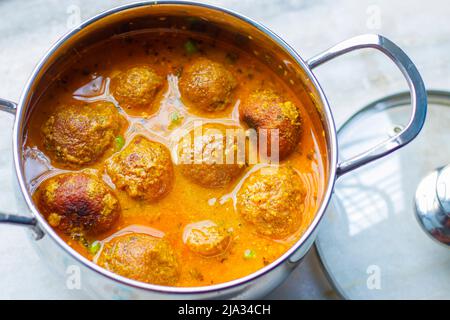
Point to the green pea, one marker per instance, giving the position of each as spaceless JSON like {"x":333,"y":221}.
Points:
{"x":119,"y":143}
{"x":175,"y":119}
{"x":249,"y":254}
{"x":95,"y":247}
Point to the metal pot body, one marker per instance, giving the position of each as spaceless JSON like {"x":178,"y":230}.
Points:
{"x":247,"y":33}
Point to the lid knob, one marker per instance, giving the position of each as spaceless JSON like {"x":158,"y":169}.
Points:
{"x":433,"y":204}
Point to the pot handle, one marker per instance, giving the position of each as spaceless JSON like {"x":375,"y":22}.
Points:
{"x":31,"y":222}
{"x":416,"y":87}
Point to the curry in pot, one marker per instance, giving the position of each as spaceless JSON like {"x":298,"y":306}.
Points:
{"x":128,"y":157}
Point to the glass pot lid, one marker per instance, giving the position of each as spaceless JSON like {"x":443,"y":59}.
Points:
{"x":371,"y":243}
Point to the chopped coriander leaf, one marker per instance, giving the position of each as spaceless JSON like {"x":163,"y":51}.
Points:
{"x":191,"y":47}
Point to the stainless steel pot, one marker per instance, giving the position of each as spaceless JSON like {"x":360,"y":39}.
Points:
{"x":142,"y":15}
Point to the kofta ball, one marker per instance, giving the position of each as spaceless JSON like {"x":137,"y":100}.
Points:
{"x":266,"y":109}
{"x":78,"y":204}
{"x":272,"y":200}
{"x":208,"y":159}
{"x":79,"y":134}
{"x":143,"y":169}
{"x":207,"y":85}
{"x":206,"y":238}
{"x":136,"y":87}
{"x":141,"y":257}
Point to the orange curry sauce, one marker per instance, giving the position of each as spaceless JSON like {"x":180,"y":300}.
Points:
{"x":88,"y":79}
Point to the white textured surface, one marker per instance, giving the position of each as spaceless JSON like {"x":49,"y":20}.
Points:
{"x":28,"y":28}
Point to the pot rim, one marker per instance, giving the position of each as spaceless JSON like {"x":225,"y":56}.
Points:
{"x":332,"y":157}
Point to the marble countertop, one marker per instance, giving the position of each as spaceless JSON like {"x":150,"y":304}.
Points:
{"x":28,"y":29}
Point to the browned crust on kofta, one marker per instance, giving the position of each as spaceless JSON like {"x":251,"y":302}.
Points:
{"x":136,"y":87}
{"x":266,"y":109}
{"x":272,"y":199}
{"x":207,"y":85}
{"x":212,"y":171}
{"x":143,"y":169}
{"x":141,"y":257}
{"x":79,"y":134}
{"x":78,"y":204}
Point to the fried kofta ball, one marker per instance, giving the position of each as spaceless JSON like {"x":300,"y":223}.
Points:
{"x":79,"y":134}
{"x":143,"y":169}
{"x":266,"y":109}
{"x":272,"y":199}
{"x":207,"y":85}
{"x":206,"y":238}
{"x":207,"y":158}
{"x":78,"y":204}
{"x":136,"y":87}
{"x":141,"y":257}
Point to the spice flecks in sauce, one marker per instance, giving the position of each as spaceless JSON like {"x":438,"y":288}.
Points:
{"x":88,"y":80}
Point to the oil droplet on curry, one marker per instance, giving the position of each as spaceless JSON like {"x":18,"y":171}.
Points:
{"x":104,"y":160}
